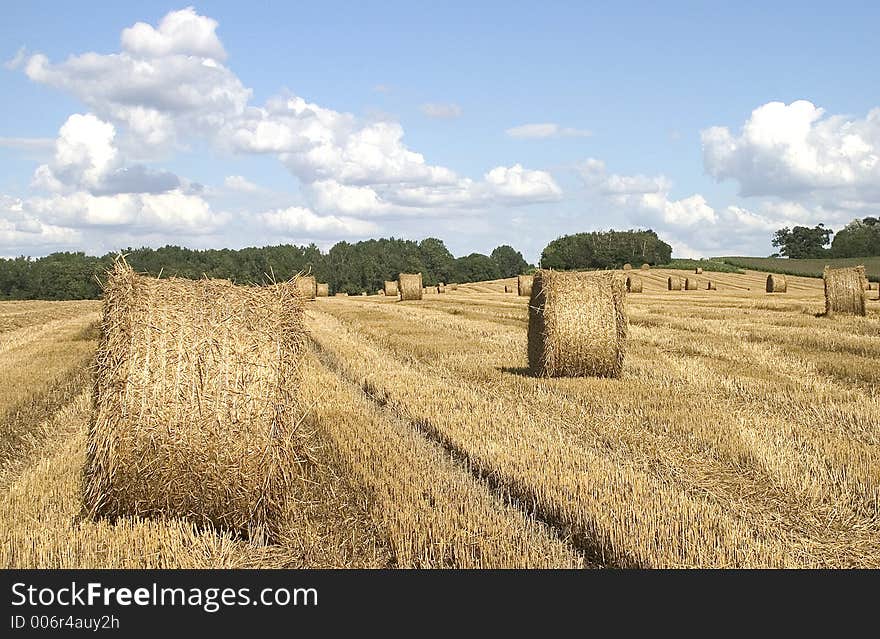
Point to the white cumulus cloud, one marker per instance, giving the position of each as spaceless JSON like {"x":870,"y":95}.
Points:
{"x":545,"y":130}
{"x":184,"y":32}
{"x":299,"y":222}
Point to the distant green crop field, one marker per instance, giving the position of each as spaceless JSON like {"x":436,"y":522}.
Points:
{"x":706,"y":265}
{"x":806,"y":268}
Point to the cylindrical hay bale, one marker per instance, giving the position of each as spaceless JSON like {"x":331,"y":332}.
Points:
{"x":508,"y":288}
{"x":306,"y":285}
{"x":195,"y":411}
{"x":646,"y":267}
{"x":776,"y":283}
{"x":391,"y":288}
{"x":524,"y":285}
{"x":698,"y":271}
{"x":711,"y":286}
{"x":845,"y":290}
{"x":409,"y":285}
{"x":690,"y":284}
{"x":627,"y":267}
{"x":872,"y":286}
{"x":341,"y":295}
{"x":577,"y":324}
{"x":453,"y":287}
{"x":363,"y":293}
{"x":441,"y":289}
{"x":322,"y":290}
{"x":633,"y":284}
{"x":673,"y":283}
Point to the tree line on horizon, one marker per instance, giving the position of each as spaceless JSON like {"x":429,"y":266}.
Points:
{"x":859,"y":238}
{"x":347,"y":267}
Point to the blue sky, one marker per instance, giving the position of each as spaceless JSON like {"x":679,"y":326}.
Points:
{"x":479,"y":123}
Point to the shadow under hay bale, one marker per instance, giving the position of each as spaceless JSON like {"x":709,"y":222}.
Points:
{"x":195,"y":406}
{"x":776,"y":283}
{"x":306,"y":285}
{"x":409,"y":285}
{"x":633,"y":284}
{"x":524,"y":285}
{"x":577,"y":324}
{"x":390,"y":288}
{"x":322,"y":290}
{"x":844,"y":290}
{"x":673,"y":284}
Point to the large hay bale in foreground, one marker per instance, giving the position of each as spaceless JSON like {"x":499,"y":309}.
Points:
{"x":577,"y":324}
{"x":844,"y":290}
{"x":524,"y":285}
{"x":195,"y":410}
{"x":673,"y":283}
{"x":776,"y":283}
{"x":307,"y":286}
{"x":690,"y":284}
{"x":322,"y":290}
{"x":633,"y":284}
{"x":391,"y":288}
{"x":409,"y":285}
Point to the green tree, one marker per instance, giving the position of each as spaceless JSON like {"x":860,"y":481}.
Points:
{"x":476,"y":267}
{"x":438,"y":262}
{"x":509,"y":261}
{"x":859,"y":238}
{"x":802,"y":242}
{"x":605,"y":249}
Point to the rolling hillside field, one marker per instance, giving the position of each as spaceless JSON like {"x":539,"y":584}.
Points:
{"x":805,"y":268}
{"x":744,"y":432}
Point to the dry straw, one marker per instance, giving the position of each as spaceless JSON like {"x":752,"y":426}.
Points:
{"x":524,"y":285}
{"x":307,"y":286}
{"x":322,"y":290}
{"x":673,"y":283}
{"x":690,"y":284}
{"x":845,"y":290}
{"x":410,"y":286}
{"x":627,"y":267}
{"x":633,"y":284}
{"x":195,"y":402}
{"x":577,"y":324}
{"x":391,"y":288}
{"x":776,"y":283}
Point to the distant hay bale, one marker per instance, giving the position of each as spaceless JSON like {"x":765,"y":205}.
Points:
{"x":633,"y":284}
{"x":872,"y":286}
{"x":776,"y":283}
{"x":363,"y":293}
{"x":322,"y":290}
{"x":508,"y":288}
{"x":844,"y":290}
{"x":306,"y":285}
{"x":698,"y":271}
{"x":409,"y":285}
{"x":524,"y":285}
{"x":391,"y":288}
{"x":673,"y":283}
{"x":646,"y":267}
{"x":690,"y":284}
{"x":341,"y":295}
{"x":711,"y":286}
{"x":453,"y":287}
{"x":441,"y":289}
{"x":195,"y":410}
{"x":577,"y":324}
{"x":627,"y":267}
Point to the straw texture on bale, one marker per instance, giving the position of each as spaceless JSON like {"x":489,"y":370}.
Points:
{"x":776,"y":283}
{"x":577,"y":324}
{"x":409,"y":285}
{"x":391,"y":288}
{"x":322,"y":290}
{"x":711,"y":286}
{"x":195,"y":411}
{"x":646,"y":267}
{"x":698,"y":271}
{"x":627,"y":267}
{"x":633,"y":284}
{"x":845,"y":290}
{"x":307,"y":286}
{"x":673,"y":283}
{"x":690,"y":284}
{"x":524,"y":285}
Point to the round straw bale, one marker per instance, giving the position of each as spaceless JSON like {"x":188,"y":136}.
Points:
{"x":341,"y":295}
{"x":524,"y":285}
{"x":690,"y":284}
{"x":441,"y":289}
{"x":195,"y":409}
{"x":322,"y":290}
{"x":627,"y":267}
{"x":453,"y":287}
{"x":673,"y":283}
{"x":633,"y":284}
{"x":698,"y":271}
{"x":646,"y":267}
{"x":409,"y":285}
{"x":844,"y":290}
{"x":577,"y":324}
{"x":776,"y":283}
{"x":391,"y":288}
{"x":508,"y":288}
{"x":711,"y":286}
{"x":306,"y":285}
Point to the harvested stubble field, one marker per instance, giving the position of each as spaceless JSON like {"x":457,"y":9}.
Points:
{"x":744,"y":431}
